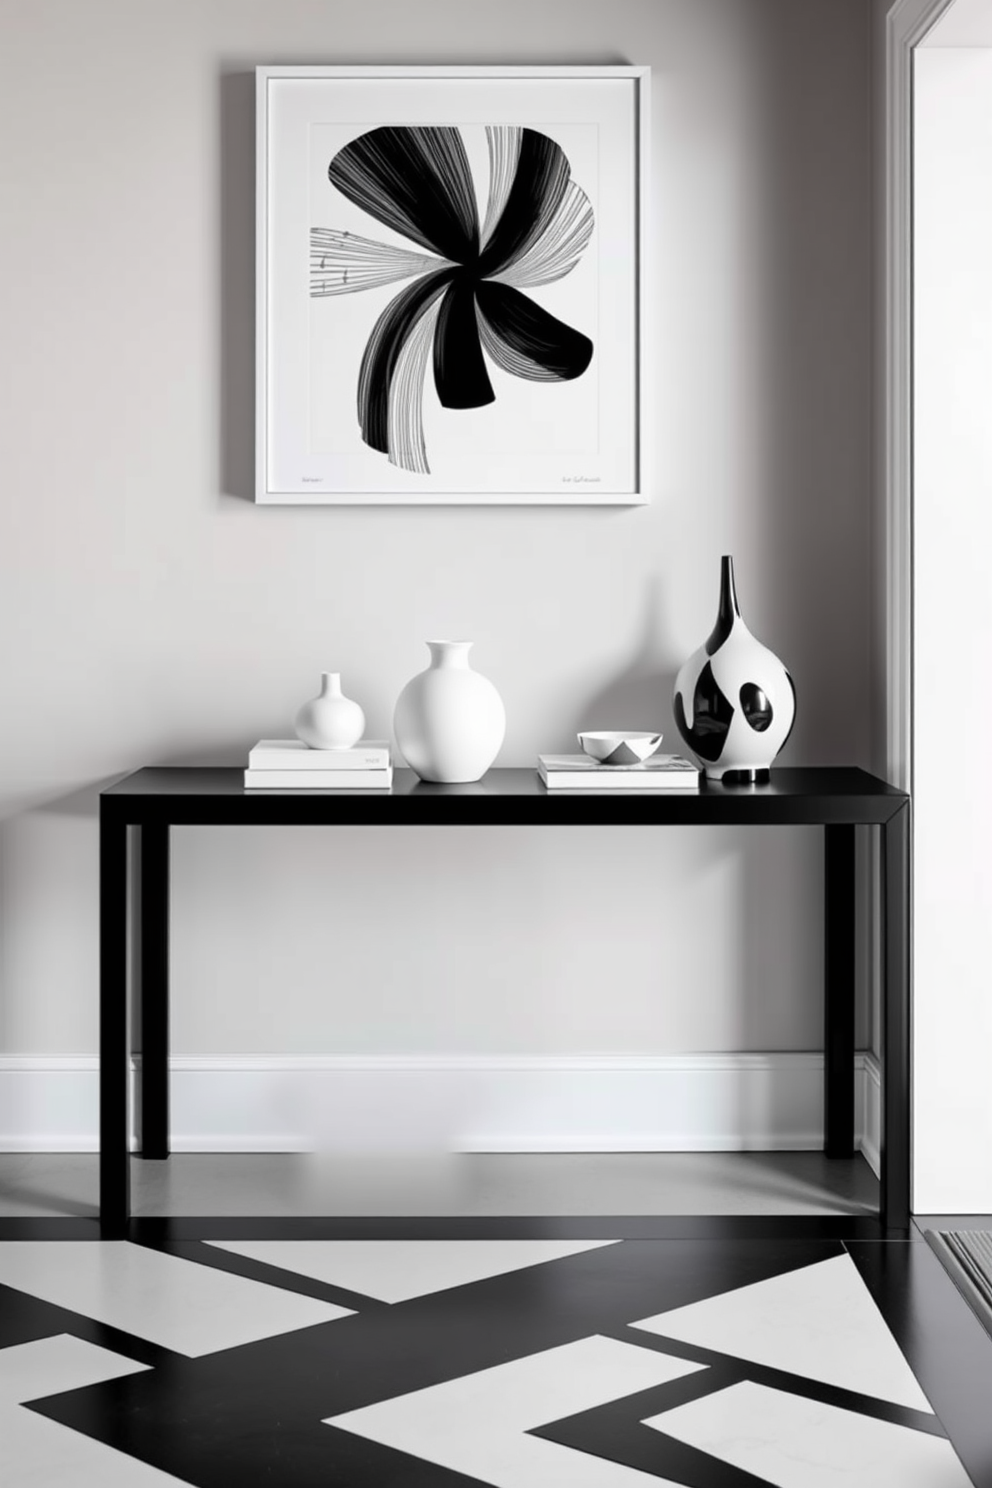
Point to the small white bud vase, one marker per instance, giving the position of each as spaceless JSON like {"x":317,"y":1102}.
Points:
{"x":330,"y":720}
{"x":449,"y":721}
{"x":735,"y":703}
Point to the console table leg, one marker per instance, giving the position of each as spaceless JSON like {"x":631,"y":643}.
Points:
{"x":895,"y":1020}
{"x":838,"y":990}
{"x":114,"y":1051}
{"x":154,"y":861}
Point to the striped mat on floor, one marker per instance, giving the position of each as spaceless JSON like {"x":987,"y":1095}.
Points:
{"x":967,"y":1258}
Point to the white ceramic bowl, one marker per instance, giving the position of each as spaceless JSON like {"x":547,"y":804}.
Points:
{"x":619,"y":747}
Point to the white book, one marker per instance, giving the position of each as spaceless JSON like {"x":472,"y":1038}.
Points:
{"x":579,"y":772}
{"x":293,"y":754}
{"x":378,"y":779}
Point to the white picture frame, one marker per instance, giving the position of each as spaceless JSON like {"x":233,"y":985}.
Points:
{"x":390,"y":367}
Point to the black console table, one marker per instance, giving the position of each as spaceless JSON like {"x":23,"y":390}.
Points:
{"x":842,"y":801}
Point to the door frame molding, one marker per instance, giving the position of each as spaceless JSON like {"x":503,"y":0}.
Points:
{"x":907,"y":23}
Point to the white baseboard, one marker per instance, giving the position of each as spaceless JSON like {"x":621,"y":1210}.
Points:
{"x":666,"y":1103}
{"x":868,"y":1110}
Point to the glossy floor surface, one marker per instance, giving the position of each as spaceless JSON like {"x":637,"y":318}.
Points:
{"x":749,"y":1183}
{"x":535,"y":1351}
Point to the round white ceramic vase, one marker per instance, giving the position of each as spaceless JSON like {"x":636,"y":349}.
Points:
{"x":330,"y":720}
{"x":449,"y":721}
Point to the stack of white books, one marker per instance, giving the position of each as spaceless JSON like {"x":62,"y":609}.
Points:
{"x":289,"y":764}
{"x":580,"y":772}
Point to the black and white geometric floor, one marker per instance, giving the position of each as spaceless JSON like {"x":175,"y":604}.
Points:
{"x":582,"y":1361}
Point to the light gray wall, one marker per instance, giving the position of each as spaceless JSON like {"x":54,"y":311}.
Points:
{"x":150,"y":613}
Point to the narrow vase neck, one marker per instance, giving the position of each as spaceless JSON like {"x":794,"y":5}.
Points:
{"x":729,"y":611}
{"x":330,"y":684}
{"x":729,"y":608}
{"x":449,"y":655}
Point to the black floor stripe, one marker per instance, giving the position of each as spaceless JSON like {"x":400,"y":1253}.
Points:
{"x":267,"y":1273}
{"x":526,"y":1227}
{"x":25,"y":1318}
{"x":251,"y":1415}
{"x":965,"y":1256}
{"x":616,"y":1432}
{"x":242,"y":1415}
{"x":947,"y":1348}
{"x":29,"y":1228}
{"x":783,"y":1379}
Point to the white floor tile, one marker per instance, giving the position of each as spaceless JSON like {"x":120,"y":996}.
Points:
{"x":798,"y":1443}
{"x":396,"y":1270}
{"x":48,"y":1366}
{"x":819,"y":1321}
{"x":176,"y":1303}
{"x":38,"y":1453}
{"x":477,"y":1424}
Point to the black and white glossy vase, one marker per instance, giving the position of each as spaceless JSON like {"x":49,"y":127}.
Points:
{"x":734,"y":700}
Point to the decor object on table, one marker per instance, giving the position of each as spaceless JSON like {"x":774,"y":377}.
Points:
{"x":289,"y":764}
{"x":330,"y":720}
{"x":735,"y":703}
{"x":449,"y":720}
{"x":380,"y":779}
{"x":661,"y":772}
{"x":496,"y":217}
{"x":293,"y":754}
{"x":619,"y":747}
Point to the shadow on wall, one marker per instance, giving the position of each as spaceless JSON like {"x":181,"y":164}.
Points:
{"x":237,"y":285}
{"x":640,"y":697}
{"x":810,"y":316}
{"x":85,"y":801}
{"x":49,"y":923}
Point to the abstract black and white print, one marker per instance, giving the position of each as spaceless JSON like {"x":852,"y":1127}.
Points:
{"x":513,"y":1361}
{"x":474,"y":250}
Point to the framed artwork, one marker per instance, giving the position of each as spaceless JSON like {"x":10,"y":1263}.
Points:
{"x":451,"y":266}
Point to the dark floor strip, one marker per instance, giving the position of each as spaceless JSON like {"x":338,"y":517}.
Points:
{"x":616,"y":1432}
{"x":286,"y":1281}
{"x":528,"y":1227}
{"x":252,"y":1415}
{"x":947,"y":1348}
{"x":966,"y":1256}
{"x":24,"y":1318}
{"x":781,"y":1379}
{"x":30,"y":1228}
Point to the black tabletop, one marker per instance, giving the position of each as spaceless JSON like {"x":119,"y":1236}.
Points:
{"x":815,"y":795}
